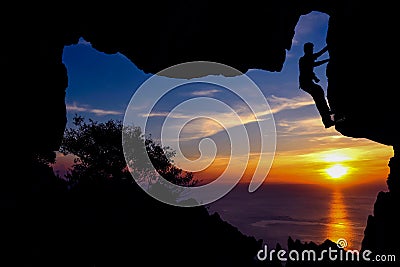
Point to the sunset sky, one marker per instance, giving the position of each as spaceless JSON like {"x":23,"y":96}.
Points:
{"x":101,"y":86}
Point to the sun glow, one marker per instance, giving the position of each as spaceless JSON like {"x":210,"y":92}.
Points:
{"x":337,"y":171}
{"x":336,"y":157}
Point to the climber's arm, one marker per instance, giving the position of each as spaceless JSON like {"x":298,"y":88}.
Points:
{"x":319,"y":53}
{"x":318,"y":63}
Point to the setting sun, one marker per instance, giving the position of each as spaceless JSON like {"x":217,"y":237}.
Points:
{"x":337,"y":171}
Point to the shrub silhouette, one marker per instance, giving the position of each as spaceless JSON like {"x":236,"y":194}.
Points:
{"x":100,"y":156}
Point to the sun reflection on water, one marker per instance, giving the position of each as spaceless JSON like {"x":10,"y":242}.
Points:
{"x":338,"y":226}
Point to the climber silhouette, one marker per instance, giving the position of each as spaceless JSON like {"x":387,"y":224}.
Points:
{"x":308,"y":81}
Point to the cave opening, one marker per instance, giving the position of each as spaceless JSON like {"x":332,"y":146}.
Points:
{"x":100,"y":86}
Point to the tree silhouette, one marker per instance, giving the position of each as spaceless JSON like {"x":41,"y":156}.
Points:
{"x":100,"y":154}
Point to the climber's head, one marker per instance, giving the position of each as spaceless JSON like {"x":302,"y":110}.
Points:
{"x":308,"y":48}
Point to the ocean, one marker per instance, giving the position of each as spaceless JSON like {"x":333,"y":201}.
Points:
{"x":305,"y":212}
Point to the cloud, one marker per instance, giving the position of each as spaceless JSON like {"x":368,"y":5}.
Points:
{"x":300,"y":127}
{"x":200,"y":128}
{"x":96,"y":111}
{"x":204,"y":124}
{"x":303,"y":136}
{"x":290,"y":55}
{"x":175,"y":115}
{"x":295,"y":41}
{"x":279,"y":104}
{"x":239,"y":115}
{"x":210,"y":92}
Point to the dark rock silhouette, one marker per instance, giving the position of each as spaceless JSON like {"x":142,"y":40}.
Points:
{"x":361,"y":86}
{"x":382,"y":233}
{"x":115,"y":223}
{"x":309,"y":259}
{"x":326,"y":254}
{"x":356,"y":70}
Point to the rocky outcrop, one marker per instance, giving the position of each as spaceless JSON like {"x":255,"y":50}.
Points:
{"x":247,"y":36}
{"x":382,"y":233}
{"x":360,"y":86}
{"x":115,"y":223}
